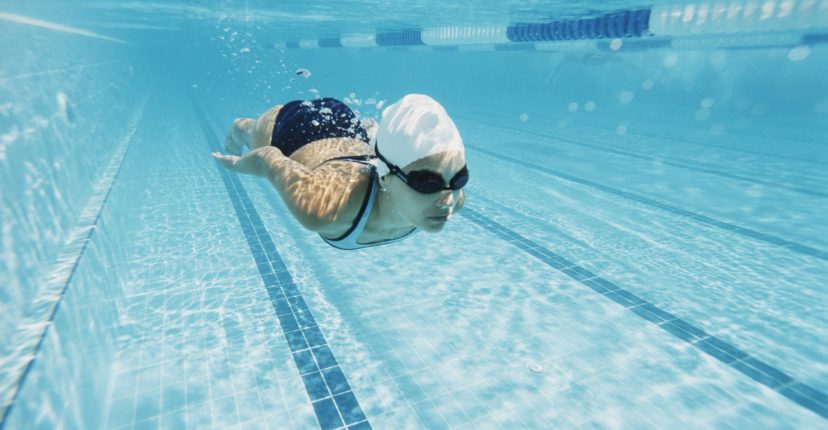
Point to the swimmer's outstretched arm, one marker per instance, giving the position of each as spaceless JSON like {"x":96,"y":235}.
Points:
{"x":260,"y":162}
{"x":311,"y":196}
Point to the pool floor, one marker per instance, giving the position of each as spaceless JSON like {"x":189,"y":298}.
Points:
{"x":595,"y":279}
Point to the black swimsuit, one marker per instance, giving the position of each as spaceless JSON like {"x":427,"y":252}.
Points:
{"x":301,"y":121}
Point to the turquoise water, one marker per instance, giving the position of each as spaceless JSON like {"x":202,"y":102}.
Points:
{"x":643,"y":245}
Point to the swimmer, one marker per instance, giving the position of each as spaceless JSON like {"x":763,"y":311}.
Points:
{"x":356,"y":183}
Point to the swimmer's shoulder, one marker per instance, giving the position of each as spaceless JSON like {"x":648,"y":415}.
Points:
{"x":329,"y":195}
{"x":341,"y":187}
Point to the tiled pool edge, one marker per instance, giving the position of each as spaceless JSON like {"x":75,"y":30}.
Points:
{"x":330,"y":394}
{"x":763,"y":373}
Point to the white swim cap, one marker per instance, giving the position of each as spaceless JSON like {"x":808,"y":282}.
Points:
{"x":412,"y":128}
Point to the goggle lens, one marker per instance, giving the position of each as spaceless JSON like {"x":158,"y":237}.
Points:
{"x":430,"y":182}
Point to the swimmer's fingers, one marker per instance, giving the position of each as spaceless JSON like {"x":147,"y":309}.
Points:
{"x":228,"y":161}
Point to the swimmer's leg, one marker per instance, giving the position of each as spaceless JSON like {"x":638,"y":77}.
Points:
{"x":239,"y":136}
{"x":262,"y":133}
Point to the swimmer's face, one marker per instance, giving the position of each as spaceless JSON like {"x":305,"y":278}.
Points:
{"x":419,"y":208}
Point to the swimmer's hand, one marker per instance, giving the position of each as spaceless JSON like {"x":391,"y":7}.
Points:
{"x":228,"y":161}
{"x":260,"y":161}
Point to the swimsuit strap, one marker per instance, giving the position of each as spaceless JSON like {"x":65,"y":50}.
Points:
{"x":348,"y":240}
{"x":353,"y":158}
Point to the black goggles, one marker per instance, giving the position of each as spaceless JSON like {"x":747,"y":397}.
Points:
{"x":426,"y":181}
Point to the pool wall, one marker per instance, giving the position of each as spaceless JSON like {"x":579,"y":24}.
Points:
{"x":68,"y":105}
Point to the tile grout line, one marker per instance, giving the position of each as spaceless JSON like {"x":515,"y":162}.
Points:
{"x":759,"y":371}
{"x":328,"y":390}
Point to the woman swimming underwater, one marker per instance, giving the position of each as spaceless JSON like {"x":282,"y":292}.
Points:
{"x":356,"y":186}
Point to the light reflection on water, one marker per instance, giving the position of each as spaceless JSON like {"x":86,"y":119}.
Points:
{"x":166,"y":322}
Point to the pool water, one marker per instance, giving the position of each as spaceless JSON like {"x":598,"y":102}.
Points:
{"x":644,"y":241}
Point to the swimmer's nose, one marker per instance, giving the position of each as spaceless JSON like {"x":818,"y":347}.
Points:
{"x":447,"y":199}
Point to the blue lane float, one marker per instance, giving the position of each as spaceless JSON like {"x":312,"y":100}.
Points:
{"x":633,"y":23}
{"x":696,"y":26}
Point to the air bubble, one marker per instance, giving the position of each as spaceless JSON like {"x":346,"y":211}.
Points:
{"x":616,"y":44}
{"x":799,"y":53}
{"x":573,"y":107}
{"x":707,"y":103}
{"x":64,"y":107}
{"x":626,"y":97}
{"x":647,"y":85}
{"x":303,"y":72}
{"x":589,"y":106}
{"x":524,"y":117}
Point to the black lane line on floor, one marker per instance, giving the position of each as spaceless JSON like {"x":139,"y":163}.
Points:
{"x":753,"y":234}
{"x":680,"y":164}
{"x":330,"y":393}
{"x":761,"y":372}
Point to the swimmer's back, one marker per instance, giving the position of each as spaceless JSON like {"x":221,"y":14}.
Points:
{"x":335,"y":189}
{"x":313,"y":153}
